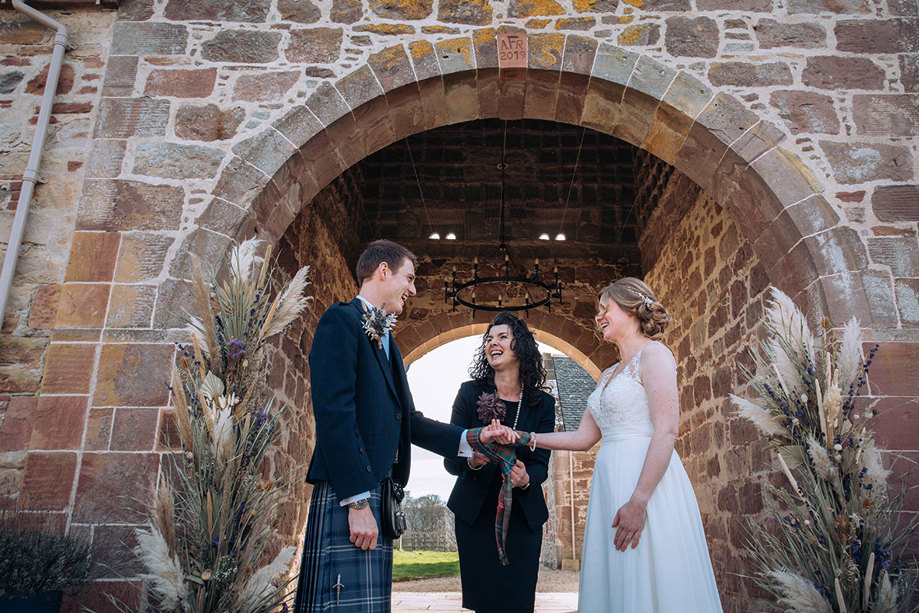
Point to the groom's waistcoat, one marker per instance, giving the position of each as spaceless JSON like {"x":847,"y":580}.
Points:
{"x":363,"y":408}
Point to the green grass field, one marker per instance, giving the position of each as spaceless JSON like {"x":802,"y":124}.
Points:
{"x":420,"y":564}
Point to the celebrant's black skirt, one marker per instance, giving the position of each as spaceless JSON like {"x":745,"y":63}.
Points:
{"x":488,"y":586}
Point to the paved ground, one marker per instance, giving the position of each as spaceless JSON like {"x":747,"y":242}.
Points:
{"x":556,"y":592}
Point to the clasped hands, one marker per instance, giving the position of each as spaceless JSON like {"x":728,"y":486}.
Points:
{"x":496,"y":433}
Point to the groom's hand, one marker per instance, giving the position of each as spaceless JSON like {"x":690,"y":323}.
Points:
{"x":363,"y":528}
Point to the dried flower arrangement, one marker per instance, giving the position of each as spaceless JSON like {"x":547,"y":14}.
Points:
{"x":207,"y":546}
{"x":839,"y":532}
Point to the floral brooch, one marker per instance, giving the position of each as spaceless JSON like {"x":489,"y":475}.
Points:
{"x":490,"y":407}
{"x":377,"y":325}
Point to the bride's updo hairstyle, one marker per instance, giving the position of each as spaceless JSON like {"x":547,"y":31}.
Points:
{"x":635,"y":297}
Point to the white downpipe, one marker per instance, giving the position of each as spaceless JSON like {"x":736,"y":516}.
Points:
{"x":30,"y":176}
{"x":574,"y":550}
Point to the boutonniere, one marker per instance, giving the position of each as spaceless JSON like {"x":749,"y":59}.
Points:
{"x":377,"y":325}
{"x":490,"y":407}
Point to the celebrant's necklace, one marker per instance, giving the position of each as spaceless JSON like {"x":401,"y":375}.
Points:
{"x":519,"y":404}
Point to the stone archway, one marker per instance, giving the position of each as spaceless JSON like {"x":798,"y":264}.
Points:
{"x":711,"y":137}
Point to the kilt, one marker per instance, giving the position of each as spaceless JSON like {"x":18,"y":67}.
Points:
{"x":330,"y":558}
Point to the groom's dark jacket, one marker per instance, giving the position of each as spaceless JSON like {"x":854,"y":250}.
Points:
{"x":363,"y":408}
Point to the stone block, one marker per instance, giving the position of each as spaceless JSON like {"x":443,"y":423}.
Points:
{"x":265,"y":87}
{"x":36,"y":85}
{"x":9,"y":81}
{"x":579,"y":24}
{"x":392,"y":67}
{"x":771,"y":34}
{"x":401,"y":10}
{"x":327,"y":104}
{"x":909,"y":72}
{"x":58,"y":422}
{"x":135,"y":10}
{"x":314,"y":45}
{"x":298,"y":125}
{"x":222,"y":217}
{"x":595,"y":6}
{"x":92,"y":256}
{"x":301,"y":11}
{"x":267,"y":151}
{"x":891,"y":373}
{"x":838,"y":7}
{"x":640,"y":35}
{"x":346,"y":11}
{"x":692,"y":37}
{"x":16,"y":428}
{"x":111,"y":205}
{"x":83,"y":305}
{"x":114,"y":555}
{"x":744,"y":74}
{"x":854,"y":162}
{"x":115,"y":487}
{"x":544,"y":51}
{"x":105,"y":159}
{"x":120,"y":76}
{"x":133,"y":38}
{"x":907,"y":294}
{"x":684,"y":99}
{"x":208,"y":122}
{"x":24,"y":32}
{"x":131,"y":306}
{"x":895,"y":203}
{"x":126,"y":118}
{"x":579,"y":55}
{"x":881,"y":311}
{"x":534,"y":8}
{"x":179,"y":83}
{"x":43,"y":310}
{"x":455,"y":55}
{"x":170,"y":293}
{"x":207,"y":246}
{"x":98,"y":429}
{"x":119,"y":384}
{"x":134,"y":429}
{"x":877,"y":36}
{"x":68,"y":368}
{"x":174,"y":161}
{"x":832,"y":72}
{"x":141,"y":257}
{"x":424,"y":60}
{"x":359,"y":87}
{"x":95,"y":596}
{"x":469,"y":12}
{"x":901,"y":253}
{"x":806,"y":111}
{"x":647,"y":85}
{"x":752,"y":6}
{"x":242,"y":47}
{"x":885,"y":115}
{"x":249,"y":11}
{"x":47,"y":481}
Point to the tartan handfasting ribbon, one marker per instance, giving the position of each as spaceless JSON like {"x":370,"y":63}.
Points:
{"x":505,"y":457}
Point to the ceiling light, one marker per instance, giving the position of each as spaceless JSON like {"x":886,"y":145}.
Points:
{"x":451,"y":236}
{"x":559,"y":237}
{"x":543,"y":237}
{"x":434,"y":236}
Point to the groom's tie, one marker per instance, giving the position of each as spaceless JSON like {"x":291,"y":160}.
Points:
{"x":385,"y":340}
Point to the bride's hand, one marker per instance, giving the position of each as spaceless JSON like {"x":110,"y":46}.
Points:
{"x":496,"y":433}
{"x":629,"y":522}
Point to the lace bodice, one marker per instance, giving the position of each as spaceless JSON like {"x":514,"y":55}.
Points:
{"x":620,"y":406}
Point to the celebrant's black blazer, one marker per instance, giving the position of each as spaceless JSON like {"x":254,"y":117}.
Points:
{"x":363,"y":408}
{"x":472,"y":486}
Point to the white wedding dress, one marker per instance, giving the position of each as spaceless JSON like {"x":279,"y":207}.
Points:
{"x":670,"y":570}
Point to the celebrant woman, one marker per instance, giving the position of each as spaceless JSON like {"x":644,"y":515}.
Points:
{"x":507,"y":374}
{"x":644,"y":547}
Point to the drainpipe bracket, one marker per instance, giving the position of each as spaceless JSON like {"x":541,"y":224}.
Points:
{"x":33,"y":176}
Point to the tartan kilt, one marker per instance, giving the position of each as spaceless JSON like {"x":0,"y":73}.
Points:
{"x":330,"y":558}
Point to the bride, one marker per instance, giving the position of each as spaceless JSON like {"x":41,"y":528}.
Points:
{"x":644,"y":547}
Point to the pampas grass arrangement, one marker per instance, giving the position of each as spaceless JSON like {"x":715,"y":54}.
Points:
{"x":839,"y":535}
{"x":208,"y":546}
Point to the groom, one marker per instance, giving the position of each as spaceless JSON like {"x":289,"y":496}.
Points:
{"x":365,"y":424}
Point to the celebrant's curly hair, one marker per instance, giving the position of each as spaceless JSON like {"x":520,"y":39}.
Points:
{"x":532,"y":370}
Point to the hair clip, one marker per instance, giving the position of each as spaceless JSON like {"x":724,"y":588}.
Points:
{"x":648,"y":302}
